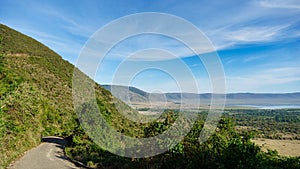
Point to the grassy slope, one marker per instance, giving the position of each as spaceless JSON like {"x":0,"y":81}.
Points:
{"x":36,"y":95}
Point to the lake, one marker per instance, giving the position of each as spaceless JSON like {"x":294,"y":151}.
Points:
{"x":267,"y":106}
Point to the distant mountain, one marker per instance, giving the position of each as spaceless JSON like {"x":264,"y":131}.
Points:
{"x":189,"y":98}
{"x":127,"y":94}
{"x":263,"y":98}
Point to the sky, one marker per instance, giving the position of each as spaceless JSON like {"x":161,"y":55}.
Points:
{"x":257,"y":42}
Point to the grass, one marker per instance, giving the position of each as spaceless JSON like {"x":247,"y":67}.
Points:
{"x":284,"y":147}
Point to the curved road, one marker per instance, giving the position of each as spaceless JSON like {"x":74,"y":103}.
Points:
{"x":48,"y":155}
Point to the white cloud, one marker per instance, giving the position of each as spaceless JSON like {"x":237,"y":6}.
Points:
{"x":138,"y":32}
{"x":253,"y":22}
{"x":290,"y":4}
{"x":230,"y":36}
{"x":154,"y":43}
{"x":268,"y":77}
{"x":79,"y":27}
{"x":255,"y":34}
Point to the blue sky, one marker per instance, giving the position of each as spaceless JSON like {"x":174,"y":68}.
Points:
{"x":258,"y":41}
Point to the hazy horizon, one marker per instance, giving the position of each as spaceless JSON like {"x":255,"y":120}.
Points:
{"x":106,"y":84}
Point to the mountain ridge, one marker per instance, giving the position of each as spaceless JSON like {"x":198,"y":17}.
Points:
{"x":231,"y":98}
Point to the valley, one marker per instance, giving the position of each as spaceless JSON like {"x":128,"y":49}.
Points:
{"x":276,"y":122}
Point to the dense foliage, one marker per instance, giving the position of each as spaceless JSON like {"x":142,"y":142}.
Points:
{"x":224,"y":149}
{"x":274,"y":124}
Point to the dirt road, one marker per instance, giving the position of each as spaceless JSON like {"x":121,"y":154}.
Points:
{"x":48,"y":155}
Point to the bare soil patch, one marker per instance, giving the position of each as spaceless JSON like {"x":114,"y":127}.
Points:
{"x":283,"y":147}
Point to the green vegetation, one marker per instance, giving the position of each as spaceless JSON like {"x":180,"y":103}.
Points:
{"x":273,"y":124}
{"x":36,"y":100}
{"x":226,"y":148}
{"x":35,"y":94}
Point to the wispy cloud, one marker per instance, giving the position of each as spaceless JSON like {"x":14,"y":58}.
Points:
{"x":77,"y":27}
{"x":64,"y":46}
{"x":290,"y":4}
{"x":139,"y":32}
{"x":253,"y":58}
{"x":259,"y":21}
{"x":153,"y":44}
{"x":39,"y":34}
{"x":268,"y":77}
{"x":255,"y":34}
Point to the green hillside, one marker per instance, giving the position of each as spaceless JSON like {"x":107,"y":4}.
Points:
{"x":32,"y":78}
{"x":36,"y":95}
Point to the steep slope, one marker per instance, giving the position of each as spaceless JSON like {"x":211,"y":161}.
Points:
{"x":36,"y":95}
